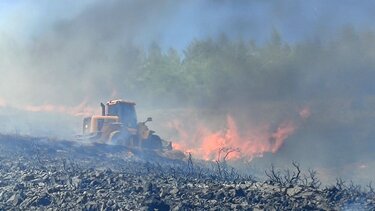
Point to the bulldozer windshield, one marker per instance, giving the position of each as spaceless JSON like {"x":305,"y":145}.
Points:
{"x":126,"y":113}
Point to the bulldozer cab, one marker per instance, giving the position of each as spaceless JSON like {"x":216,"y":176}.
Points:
{"x":118,"y":124}
{"x":124,"y":110}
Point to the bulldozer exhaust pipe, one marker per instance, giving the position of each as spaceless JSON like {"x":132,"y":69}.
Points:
{"x":103,"y":109}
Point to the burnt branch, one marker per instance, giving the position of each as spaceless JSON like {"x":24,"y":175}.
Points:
{"x":229,"y":151}
{"x":274,"y":176}
{"x":353,"y":187}
{"x":311,"y":180}
{"x":190,"y":164}
{"x":340,"y":184}
{"x":219,"y":168}
{"x":370,"y":188}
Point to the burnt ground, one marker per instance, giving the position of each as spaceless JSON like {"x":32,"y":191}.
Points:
{"x":44,"y":174}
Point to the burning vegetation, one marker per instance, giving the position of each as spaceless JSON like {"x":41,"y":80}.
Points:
{"x":206,"y":144}
{"x":256,"y":94}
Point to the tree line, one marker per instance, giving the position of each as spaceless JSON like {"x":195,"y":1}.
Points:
{"x":222,"y":71}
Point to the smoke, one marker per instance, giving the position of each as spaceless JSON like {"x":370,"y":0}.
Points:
{"x":93,"y":48}
{"x":2,"y":103}
{"x":86,"y":53}
{"x":287,"y":81}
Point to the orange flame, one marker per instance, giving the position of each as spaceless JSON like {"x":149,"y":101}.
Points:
{"x":207,"y":144}
{"x":80,"y":110}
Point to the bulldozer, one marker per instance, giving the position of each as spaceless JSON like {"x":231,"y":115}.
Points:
{"x":118,"y":125}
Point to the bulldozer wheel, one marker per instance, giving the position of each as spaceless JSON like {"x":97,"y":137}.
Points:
{"x":114,"y":137}
{"x":153,"y":142}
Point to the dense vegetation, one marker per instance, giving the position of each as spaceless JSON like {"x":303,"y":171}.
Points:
{"x":210,"y":70}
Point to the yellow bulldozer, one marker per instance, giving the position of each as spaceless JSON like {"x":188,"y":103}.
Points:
{"x":118,"y":125}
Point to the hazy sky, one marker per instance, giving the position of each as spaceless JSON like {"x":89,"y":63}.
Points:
{"x":56,"y":42}
{"x":176,"y":23}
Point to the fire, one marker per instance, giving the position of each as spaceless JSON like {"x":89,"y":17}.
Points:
{"x":205,"y":143}
{"x":80,"y":110}
{"x":2,"y":103}
{"x":282,"y":132}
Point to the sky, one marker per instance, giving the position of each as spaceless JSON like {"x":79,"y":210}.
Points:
{"x":45,"y":41}
{"x":176,"y":23}
{"x":29,"y":18}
